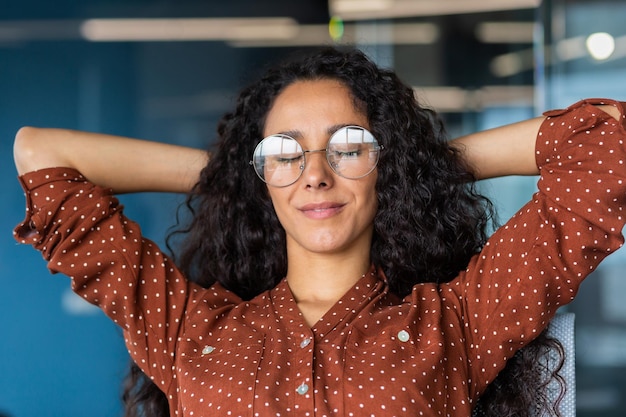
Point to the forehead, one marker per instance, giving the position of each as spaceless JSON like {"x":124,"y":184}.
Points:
{"x":312,"y":106}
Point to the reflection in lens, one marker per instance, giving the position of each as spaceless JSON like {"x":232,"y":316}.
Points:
{"x":278,"y":160}
{"x":352,"y":152}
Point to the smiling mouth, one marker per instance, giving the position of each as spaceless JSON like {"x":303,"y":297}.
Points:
{"x":321,"y":211}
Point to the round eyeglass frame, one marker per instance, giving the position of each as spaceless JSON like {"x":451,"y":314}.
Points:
{"x":257,"y":150}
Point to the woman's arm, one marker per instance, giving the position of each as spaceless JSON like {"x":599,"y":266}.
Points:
{"x":536,"y":261}
{"x":507,"y":150}
{"x":123,"y":164}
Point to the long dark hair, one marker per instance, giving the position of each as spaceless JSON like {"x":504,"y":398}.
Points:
{"x":430,"y":218}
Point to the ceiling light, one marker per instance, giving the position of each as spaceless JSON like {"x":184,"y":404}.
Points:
{"x":459,"y":100}
{"x":342,"y":7}
{"x":512,"y":63}
{"x":353,"y":34}
{"x":600,"y":45}
{"x":188,"y":29}
{"x":385,"y":9}
{"x":571,"y":48}
{"x":506,"y":32}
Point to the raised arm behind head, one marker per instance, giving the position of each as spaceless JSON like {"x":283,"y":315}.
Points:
{"x":123,"y":164}
{"x":509,"y":149}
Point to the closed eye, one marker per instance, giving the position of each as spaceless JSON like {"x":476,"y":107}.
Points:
{"x":286,"y":158}
{"x":348,"y":153}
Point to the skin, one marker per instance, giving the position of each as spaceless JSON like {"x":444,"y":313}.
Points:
{"x":124,"y":164}
{"x":509,"y":149}
{"x":328,"y":219}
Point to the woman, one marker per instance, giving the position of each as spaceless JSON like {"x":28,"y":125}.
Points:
{"x":337,"y":267}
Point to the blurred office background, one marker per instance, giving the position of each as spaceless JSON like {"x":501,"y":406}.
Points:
{"x":171,"y":73}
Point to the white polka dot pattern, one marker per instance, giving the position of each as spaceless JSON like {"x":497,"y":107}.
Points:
{"x":429,"y":354}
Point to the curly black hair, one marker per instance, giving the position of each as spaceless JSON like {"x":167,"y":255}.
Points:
{"x":430,"y":219}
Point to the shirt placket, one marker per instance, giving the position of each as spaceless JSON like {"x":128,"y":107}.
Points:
{"x":306,"y":394}
{"x":303,"y":390}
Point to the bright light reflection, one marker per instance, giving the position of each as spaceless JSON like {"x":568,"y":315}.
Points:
{"x":600,"y":45}
{"x":188,"y":29}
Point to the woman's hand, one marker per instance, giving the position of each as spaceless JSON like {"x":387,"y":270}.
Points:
{"x":123,"y":164}
{"x":507,"y":150}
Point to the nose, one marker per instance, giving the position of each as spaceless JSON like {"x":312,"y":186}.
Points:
{"x":317,"y":173}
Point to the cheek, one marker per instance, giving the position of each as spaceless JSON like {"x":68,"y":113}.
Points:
{"x":370,"y":203}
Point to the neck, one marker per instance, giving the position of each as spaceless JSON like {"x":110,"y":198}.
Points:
{"x":318,"y":281}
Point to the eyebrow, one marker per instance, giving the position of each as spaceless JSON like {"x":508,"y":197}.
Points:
{"x":297,"y":134}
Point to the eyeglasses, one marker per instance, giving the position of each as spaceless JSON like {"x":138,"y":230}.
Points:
{"x":352,"y":152}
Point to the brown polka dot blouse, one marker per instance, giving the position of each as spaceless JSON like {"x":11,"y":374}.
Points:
{"x":429,"y":354}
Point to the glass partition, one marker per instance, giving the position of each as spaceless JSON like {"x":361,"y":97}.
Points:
{"x":584,"y":55}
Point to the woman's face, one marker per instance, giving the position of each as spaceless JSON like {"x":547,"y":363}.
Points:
{"x":321,"y":212}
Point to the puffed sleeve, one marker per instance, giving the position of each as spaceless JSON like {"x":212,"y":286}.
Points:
{"x":82,"y":232}
{"x":537,"y":260}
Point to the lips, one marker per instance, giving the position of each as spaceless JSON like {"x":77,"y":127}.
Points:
{"x":322,"y":210}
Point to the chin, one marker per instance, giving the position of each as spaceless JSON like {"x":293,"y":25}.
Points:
{"x":324,"y":248}
{"x":321,"y":245}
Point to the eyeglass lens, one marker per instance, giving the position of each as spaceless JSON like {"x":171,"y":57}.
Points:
{"x":352,"y":152}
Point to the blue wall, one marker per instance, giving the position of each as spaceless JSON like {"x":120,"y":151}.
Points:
{"x":58,"y":357}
